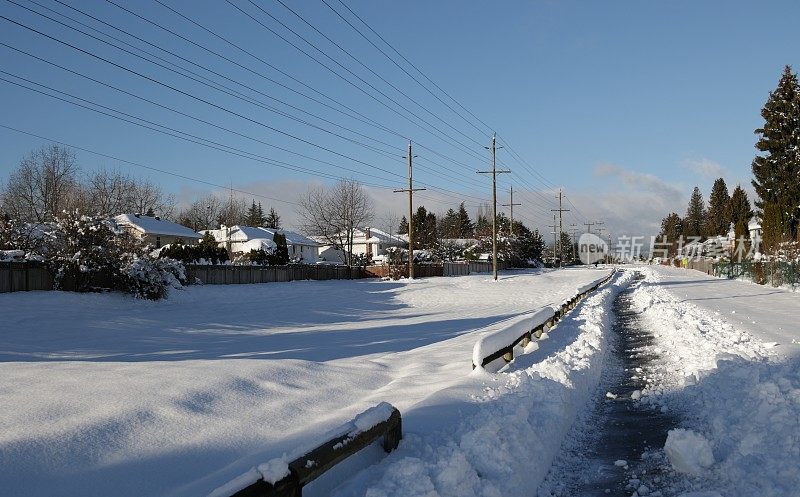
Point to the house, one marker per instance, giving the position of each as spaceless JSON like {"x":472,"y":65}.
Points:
{"x":241,"y":239}
{"x":367,"y":242}
{"x":156,"y":231}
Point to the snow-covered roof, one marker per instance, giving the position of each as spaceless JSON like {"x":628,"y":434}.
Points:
{"x":257,"y":244}
{"x":245,"y":233}
{"x":156,"y":226}
{"x":293,"y":238}
{"x":377,"y":236}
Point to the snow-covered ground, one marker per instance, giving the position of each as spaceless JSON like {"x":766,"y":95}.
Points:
{"x":104,"y":395}
{"x":728,"y":367}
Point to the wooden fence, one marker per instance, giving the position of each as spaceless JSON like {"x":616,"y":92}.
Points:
{"x":232,"y":275}
{"x":24,"y":276}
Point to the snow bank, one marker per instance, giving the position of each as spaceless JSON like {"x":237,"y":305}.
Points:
{"x":728,"y":386}
{"x":504,"y":444}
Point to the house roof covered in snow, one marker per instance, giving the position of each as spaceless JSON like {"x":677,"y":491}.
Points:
{"x":246,"y":233}
{"x":377,"y":236}
{"x":155,"y":226}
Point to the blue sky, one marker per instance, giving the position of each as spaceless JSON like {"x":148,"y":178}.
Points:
{"x":626,"y":105}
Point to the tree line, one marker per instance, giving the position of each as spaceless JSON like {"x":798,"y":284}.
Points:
{"x":454,"y":235}
{"x":776,"y":181}
{"x":48,"y":182}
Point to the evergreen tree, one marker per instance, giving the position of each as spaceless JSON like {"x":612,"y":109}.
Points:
{"x":261,"y":219}
{"x":565,"y":244}
{"x":777,"y":172}
{"x":281,"y":255}
{"x":483,"y":223}
{"x":252,"y":218}
{"x":465,"y":227}
{"x":449,"y":225}
{"x":740,"y":211}
{"x":671,"y":231}
{"x":403,"y":228}
{"x":150,"y":212}
{"x":719,"y":217}
{"x":273,"y":220}
{"x":695,"y":215}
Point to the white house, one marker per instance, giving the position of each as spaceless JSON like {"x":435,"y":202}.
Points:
{"x":241,"y":239}
{"x":369,"y":242}
{"x":156,"y":231}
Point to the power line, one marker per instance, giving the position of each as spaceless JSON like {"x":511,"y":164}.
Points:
{"x":136,"y":164}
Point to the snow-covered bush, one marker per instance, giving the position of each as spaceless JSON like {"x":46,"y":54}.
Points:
{"x":151,"y":278}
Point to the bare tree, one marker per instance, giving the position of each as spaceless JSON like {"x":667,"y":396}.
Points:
{"x":334,"y":213}
{"x":203,"y":213}
{"x":43,"y":185}
{"x":145,"y":196}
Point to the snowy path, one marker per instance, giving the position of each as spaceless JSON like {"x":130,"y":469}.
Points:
{"x":725,"y":366}
{"x":104,"y":395}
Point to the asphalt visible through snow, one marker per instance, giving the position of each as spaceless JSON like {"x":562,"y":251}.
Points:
{"x":606,"y":452}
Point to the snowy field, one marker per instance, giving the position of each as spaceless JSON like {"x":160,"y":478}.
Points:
{"x":104,"y":395}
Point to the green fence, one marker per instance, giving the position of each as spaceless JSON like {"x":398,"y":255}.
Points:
{"x":774,"y":273}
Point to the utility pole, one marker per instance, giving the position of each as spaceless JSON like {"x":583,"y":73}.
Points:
{"x":574,"y":229}
{"x":494,"y":172}
{"x":560,"y":225}
{"x":511,"y":204}
{"x":410,"y":191}
{"x":589,"y":227}
{"x":554,"y":226}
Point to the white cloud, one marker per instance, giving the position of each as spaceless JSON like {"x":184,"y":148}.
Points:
{"x":704,"y":167}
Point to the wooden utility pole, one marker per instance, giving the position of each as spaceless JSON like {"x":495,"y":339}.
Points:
{"x":560,"y":226}
{"x":574,"y":229}
{"x":589,"y":227}
{"x":494,"y":172}
{"x":410,"y":191}
{"x":554,"y":226}
{"x":511,"y":204}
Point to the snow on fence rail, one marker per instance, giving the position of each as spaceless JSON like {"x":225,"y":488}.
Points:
{"x":279,"y":478}
{"x":491,"y":347}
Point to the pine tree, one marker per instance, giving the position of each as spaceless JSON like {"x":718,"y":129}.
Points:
{"x":671,"y":231}
{"x":465,"y":227}
{"x":281,"y":255}
{"x":449,"y":225}
{"x":273,"y":220}
{"x":150,"y":212}
{"x":718,"y":218}
{"x":740,"y":211}
{"x":695,"y":215}
{"x":777,"y":172}
{"x":403,"y":228}
{"x":261,"y":219}
{"x":252,"y":218}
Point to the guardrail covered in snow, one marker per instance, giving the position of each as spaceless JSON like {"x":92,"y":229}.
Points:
{"x":491,"y":347}
{"x":279,"y":478}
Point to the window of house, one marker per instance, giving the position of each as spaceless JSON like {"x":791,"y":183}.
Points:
{"x":158,"y":242}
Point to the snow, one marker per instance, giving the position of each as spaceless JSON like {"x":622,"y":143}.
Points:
{"x":720,"y":372}
{"x":519,"y":417}
{"x":688,"y":452}
{"x":103,"y":394}
{"x":154,"y":226}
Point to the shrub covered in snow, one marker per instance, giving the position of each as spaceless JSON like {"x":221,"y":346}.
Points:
{"x":151,"y":278}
